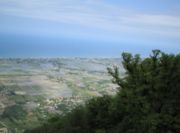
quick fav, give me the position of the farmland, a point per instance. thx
(32, 90)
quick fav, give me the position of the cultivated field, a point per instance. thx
(32, 90)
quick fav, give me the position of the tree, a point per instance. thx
(149, 97)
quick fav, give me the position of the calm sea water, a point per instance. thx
(35, 46)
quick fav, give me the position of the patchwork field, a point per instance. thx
(32, 90)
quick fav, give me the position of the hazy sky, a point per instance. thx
(88, 28)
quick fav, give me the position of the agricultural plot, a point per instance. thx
(32, 90)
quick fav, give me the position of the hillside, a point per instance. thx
(147, 101)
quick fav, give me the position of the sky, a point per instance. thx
(88, 28)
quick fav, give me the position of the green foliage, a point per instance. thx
(148, 100)
(15, 111)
